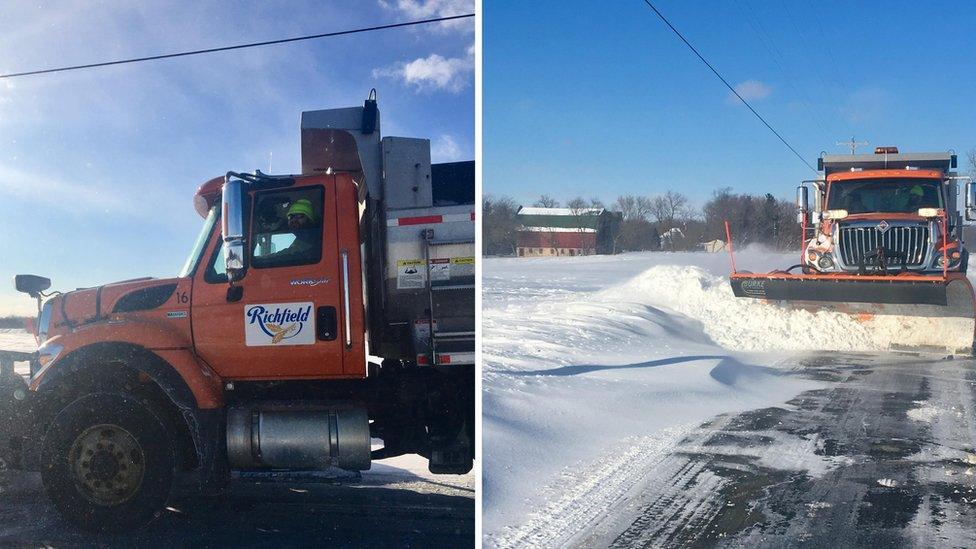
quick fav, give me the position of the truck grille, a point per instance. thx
(912, 241)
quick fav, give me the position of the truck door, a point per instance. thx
(286, 322)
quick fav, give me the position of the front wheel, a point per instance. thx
(108, 463)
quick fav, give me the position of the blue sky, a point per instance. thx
(601, 99)
(98, 167)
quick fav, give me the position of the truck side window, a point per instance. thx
(216, 272)
(287, 228)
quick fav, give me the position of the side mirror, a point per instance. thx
(970, 201)
(802, 203)
(232, 227)
(31, 285)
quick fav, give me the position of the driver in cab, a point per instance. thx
(305, 225)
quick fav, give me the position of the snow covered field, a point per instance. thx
(596, 367)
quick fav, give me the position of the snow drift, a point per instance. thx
(589, 362)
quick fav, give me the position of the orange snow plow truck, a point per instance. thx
(884, 243)
(322, 320)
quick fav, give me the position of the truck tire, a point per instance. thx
(107, 463)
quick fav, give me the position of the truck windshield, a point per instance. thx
(888, 195)
(201, 243)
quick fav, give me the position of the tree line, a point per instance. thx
(664, 222)
(13, 322)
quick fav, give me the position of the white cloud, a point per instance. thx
(750, 90)
(432, 72)
(445, 149)
(415, 9)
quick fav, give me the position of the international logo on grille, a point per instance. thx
(883, 226)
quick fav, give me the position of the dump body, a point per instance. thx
(418, 231)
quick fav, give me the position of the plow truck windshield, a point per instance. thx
(200, 244)
(902, 195)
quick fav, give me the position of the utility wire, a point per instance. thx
(236, 47)
(766, 39)
(727, 85)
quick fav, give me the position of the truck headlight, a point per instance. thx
(940, 260)
(825, 262)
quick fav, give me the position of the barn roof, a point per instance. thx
(560, 218)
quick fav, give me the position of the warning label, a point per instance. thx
(462, 267)
(411, 274)
(440, 270)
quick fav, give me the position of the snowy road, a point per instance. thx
(881, 456)
(394, 510)
(633, 401)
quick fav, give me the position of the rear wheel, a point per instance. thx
(108, 463)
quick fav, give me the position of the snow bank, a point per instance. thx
(741, 324)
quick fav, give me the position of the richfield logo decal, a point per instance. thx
(279, 324)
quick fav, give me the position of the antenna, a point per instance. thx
(270, 157)
(852, 144)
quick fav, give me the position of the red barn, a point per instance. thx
(565, 231)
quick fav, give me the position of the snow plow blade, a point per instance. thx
(921, 313)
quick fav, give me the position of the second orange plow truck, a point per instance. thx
(883, 241)
(323, 319)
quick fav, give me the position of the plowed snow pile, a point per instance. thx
(594, 367)
(741, 324)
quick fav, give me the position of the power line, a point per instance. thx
(237, 47)
(727, 85)
(776, 55)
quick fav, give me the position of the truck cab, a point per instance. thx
(883, 213)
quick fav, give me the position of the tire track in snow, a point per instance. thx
(586, 492)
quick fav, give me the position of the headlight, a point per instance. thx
(825, 262)
(940, 260)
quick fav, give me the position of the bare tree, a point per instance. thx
(582, 212)
(761, 219)
(636, 230)
(633, 207)
(499, 225)
(668, 208)
(546, 201)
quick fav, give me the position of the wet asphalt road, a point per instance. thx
(299, 511)
(881, 456)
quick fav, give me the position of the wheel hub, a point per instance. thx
(108, 464)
